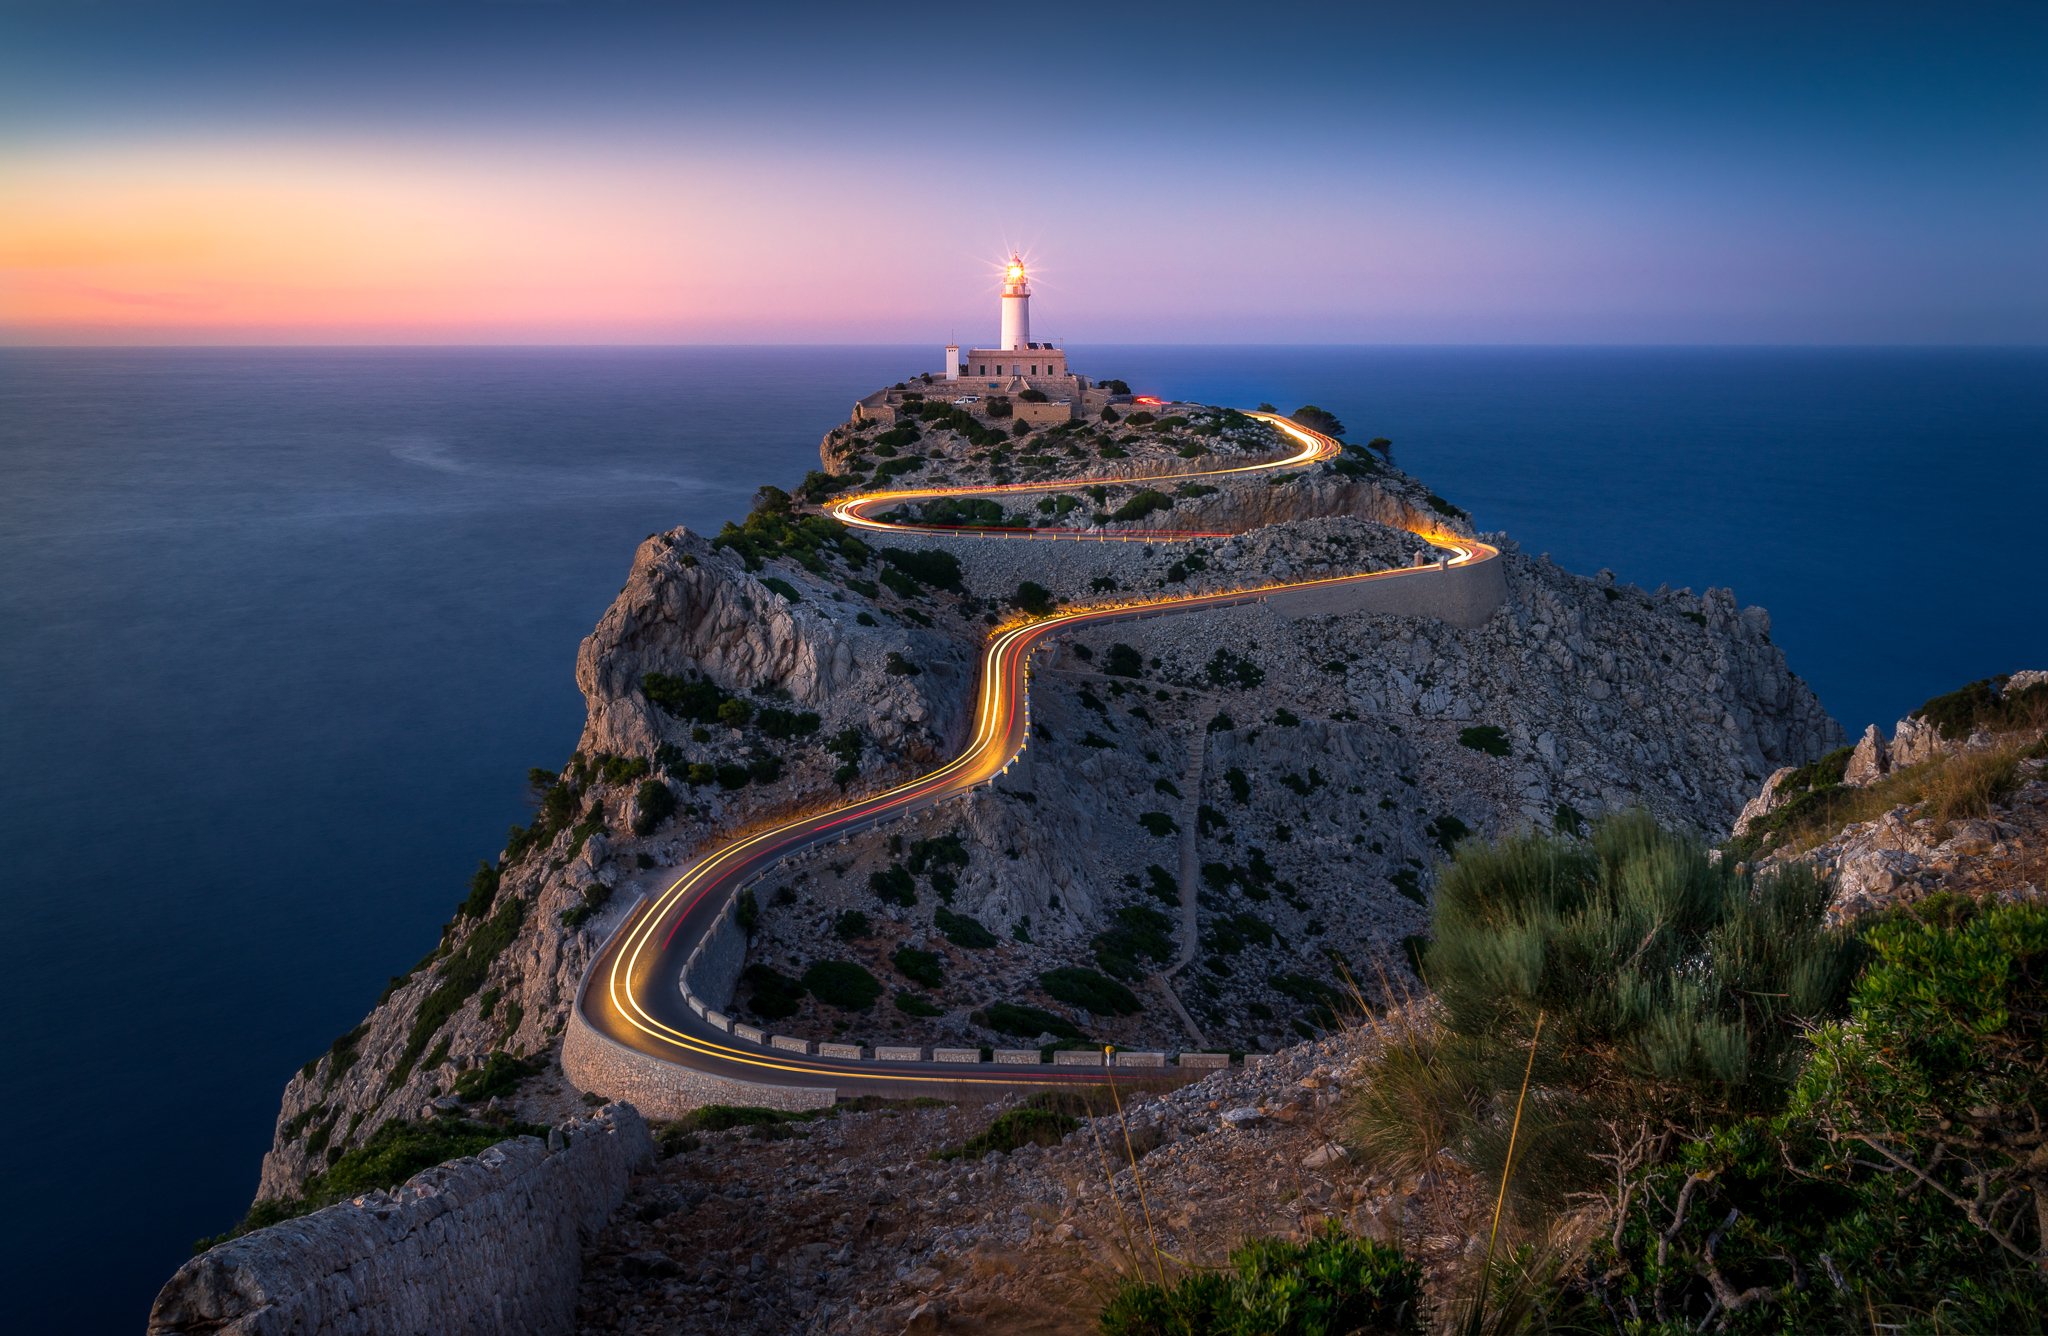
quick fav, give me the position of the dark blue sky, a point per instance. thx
(1461, 173)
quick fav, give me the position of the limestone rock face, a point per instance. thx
(487, 1243)
(689, 608)
(1914, 742)
(1870, 762)
(1768, 800)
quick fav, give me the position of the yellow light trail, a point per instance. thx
(1002, 712)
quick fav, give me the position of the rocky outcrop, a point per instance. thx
(688, 607)
(1981, 834)
(1870, 762)
(485, 1244)
(1575, 697)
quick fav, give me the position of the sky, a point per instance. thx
(538, 172)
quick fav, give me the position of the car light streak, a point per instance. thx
(640, 962)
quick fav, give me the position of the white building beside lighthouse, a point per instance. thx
(1031, 377)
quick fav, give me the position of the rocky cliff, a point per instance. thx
(1954, 801)
(487, 1243)
(1228, 818)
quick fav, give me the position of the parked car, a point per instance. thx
(968, 399)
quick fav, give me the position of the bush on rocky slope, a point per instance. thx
(1900, 1187)
(1669, 988)
(1328, 1283)
(1768, 1142)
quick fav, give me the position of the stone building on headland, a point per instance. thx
(1031, 377)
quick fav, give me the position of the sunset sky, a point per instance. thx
(594, 173)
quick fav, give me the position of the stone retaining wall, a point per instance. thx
(595, 1062)
(488, 1243)
(1461, 595)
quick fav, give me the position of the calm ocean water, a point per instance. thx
(281, 632)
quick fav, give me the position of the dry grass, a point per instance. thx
(1418, 1102)
(1946, 789)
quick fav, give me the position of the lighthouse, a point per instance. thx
(1016, 306)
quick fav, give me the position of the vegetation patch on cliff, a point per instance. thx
(395, 1152)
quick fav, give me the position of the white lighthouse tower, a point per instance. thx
(1016, 306)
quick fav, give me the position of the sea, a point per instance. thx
(282, 631)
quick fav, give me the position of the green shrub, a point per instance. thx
(1039, 1121)
(653, 803)
(842, 984)
(1227, 668)
(1035, 598)
(461, 975)
(773, 995)
(1330, 1284)
(961, 930)
(782, 725)
(726, 1117)
(925, 967)
(1445, 508)
(1903, 1169)
(595, 897)
(1447, 830)
(1162, 885)
(1487, 738)
(500, 1074)
(893, 885)
(394, 1152)
(693, 698)
(933, 569)
(1078, 986)
(483, 888)
(1142, 503)
(1672, 988)
(782, 587)
(898, 666)
(1024, 1022)
(817, 486)
(937, 852)
(773, 529)
(896, 468)
(917, 1004)
(1123, 661)
(1318, 419)
(1985, 704)
(851, 925)
(1138, 930)
(1158, 824)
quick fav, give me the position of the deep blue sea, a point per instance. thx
(282, 631)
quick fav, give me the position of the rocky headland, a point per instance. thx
(1229, 822)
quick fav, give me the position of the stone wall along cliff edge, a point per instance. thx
(488, 1243)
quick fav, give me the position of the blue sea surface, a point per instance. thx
(281, 632)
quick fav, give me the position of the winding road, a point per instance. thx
(632, 996)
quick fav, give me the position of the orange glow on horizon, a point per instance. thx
(284, 243)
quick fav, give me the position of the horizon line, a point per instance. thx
(1759, 345)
